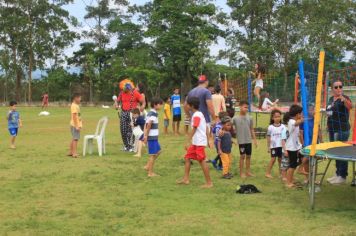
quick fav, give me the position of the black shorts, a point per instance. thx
(295, 159)
(245, 149)
(177, 117)
(277, 152)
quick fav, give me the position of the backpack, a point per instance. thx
(247, 189)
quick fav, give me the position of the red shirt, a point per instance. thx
(45, 98)
(129, 100)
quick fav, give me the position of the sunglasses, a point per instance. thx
(338, 87)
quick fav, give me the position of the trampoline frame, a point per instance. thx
(313, 168)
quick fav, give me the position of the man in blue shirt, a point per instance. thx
(177, 113)
(13, 122)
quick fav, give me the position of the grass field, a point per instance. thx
(43, 192)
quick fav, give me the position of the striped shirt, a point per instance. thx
(152, 117)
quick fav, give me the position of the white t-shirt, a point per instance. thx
(266, 103)
(277, 134)
(152, 117)
(293, 143)
(198, 121)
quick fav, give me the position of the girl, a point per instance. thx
(293, 118)
(276, 140)
(259, 75)
(266, 104)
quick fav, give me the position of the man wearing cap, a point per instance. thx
(205, 98)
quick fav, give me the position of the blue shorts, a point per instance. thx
(13, 131)
(153, 147)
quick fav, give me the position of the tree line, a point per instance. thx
(163, 43)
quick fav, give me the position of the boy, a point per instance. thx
(177, 113)
(243, 125)
(151, 135)
(138, 128)
(197, 141)
(75, 124)
(224, 147)
(216, 132)
(14, 122)
(167, 113)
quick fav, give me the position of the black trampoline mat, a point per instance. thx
(348, 152)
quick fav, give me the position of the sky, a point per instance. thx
(77, 9)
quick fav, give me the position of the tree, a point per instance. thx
(178, 29)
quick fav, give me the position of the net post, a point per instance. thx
(296, 89)
(249, 93)
(318, 102)
(326, 89)
(304, 101)
(354, 131)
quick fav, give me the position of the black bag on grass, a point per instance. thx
(247, 189)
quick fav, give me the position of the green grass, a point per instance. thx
(43, 192)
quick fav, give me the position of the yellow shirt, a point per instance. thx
(75, 109)
(167, 110)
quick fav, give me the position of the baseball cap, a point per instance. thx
(202, 79)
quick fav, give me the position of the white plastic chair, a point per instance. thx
(99, 136)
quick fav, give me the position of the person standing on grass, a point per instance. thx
(338, 123)
(197, 141)
(245, 134)
(177, 112)
(138, 128)
(275, 141)
(225, 146)
(293, 118)
(75, 124)
(13, 122)
(45, 100)
(167, 113)
(151, 135)
(217, 128)
(218, 101)
(129, 99)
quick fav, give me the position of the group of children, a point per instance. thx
(284, 139)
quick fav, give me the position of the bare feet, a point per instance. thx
(183, 182)
(269, 176)
(13, 147)
(284, 179)
(249, 174)
(207, 185)
(243, 176)
(152, 175)
(290, 186)
(145, 167)
(137, 155)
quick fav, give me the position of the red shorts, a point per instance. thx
(196, 153)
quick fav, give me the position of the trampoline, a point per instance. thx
(328, 151)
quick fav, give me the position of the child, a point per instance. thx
(14, 122)
(199, 140)
(245, 133)
(216, 132)
(186, 120)
(266, 104)
(294, 119)
(75, 124)
(167, 114)
(275, 140)
(224, 147)
(177, 113)
(45, 100)
(304, 168)
(151, 135)
(138, 128)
